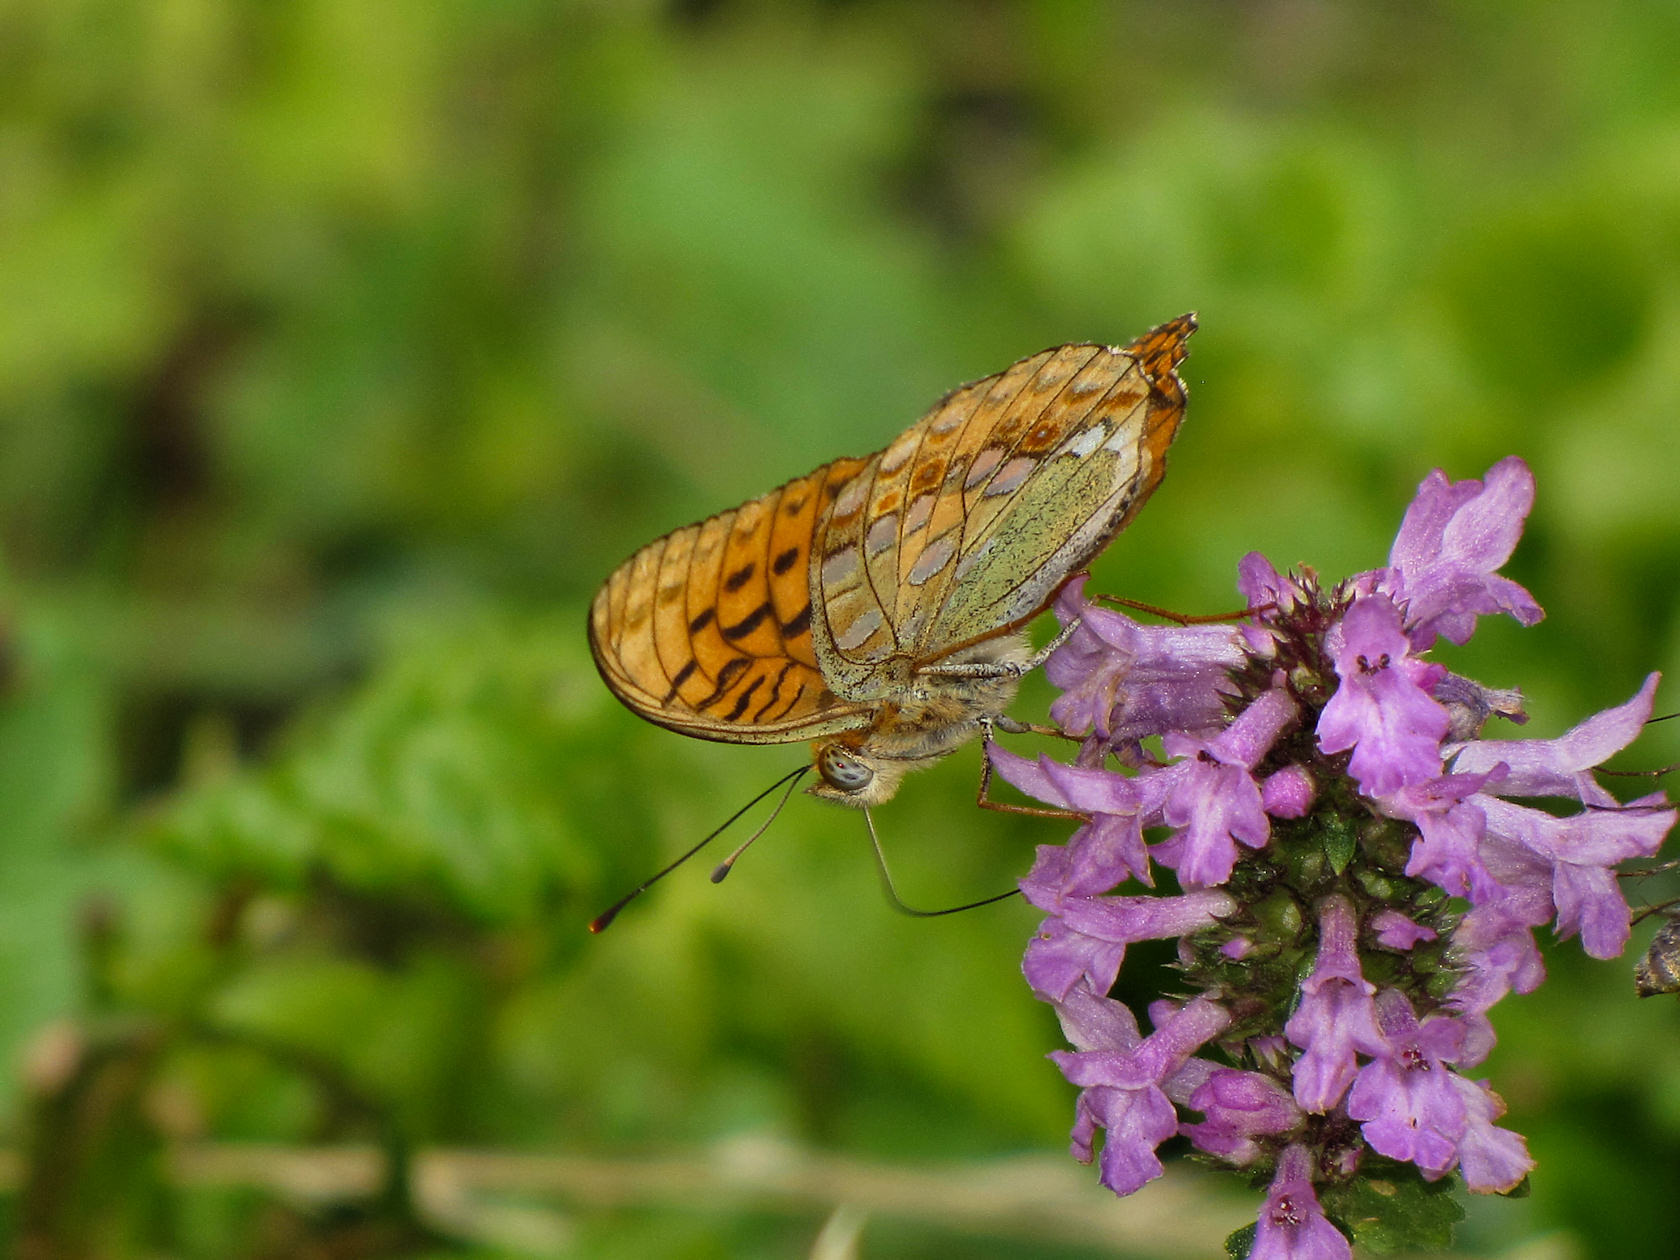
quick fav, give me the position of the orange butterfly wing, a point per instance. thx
(708, 629)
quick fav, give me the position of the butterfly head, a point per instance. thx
(848, 775)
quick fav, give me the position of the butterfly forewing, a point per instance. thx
(708, 630)
(1044, 443)
(961, 442)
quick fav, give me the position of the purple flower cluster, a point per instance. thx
(1321, 793)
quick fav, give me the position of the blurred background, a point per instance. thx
(345, 347)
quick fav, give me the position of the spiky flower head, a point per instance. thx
(1355, 873)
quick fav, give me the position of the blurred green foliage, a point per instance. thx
(345, 347)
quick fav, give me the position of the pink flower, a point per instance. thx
(1336, 1017)
(1443, 567)
(1121, 1092)
(1383, 709)
(1292, 1225)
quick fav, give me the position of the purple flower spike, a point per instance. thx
(1124, 681)
(1292, 1225)
(1121, 1093)
(1239, 1106)
(1308, 757)
(1383, 709)
(1443, 567)
(1336, 1017)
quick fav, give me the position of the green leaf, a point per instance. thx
(1340, 841)
(462, 778)
(1392, 1208)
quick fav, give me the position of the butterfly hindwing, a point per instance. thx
(1066, 488)
(1024, 410)
(965, 526)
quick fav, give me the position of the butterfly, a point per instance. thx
(877, 605)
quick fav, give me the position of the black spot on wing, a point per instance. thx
(742, 628)
(725, 679)
(798, 624)
(743, 700)
(788, 707)
(683, 675)
(775, 693)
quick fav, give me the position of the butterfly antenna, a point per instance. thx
(897, 902)
(728, 864)
(602, 921)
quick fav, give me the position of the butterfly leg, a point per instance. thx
(1000, 669)
(983, 798)
(1013, 726)
(1645, 912)
(1184, 619)
(1044, 653)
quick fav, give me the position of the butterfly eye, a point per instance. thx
(842, 771)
